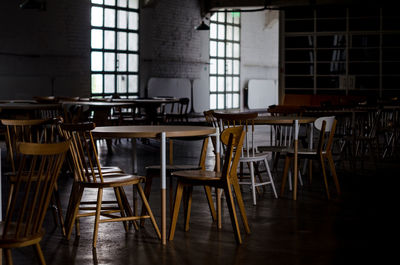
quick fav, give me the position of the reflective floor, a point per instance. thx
(311, 230)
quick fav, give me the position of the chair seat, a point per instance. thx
(255, 158)
(198, 175)
(304, 151)
(171, 168)
(275, 149)
(10, 240)
(114, 180)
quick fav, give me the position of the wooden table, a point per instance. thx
(26, 109)
(161, 132)
(282, 120)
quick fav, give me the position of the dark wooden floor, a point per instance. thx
(311, 230)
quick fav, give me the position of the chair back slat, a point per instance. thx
(325, 126)
(84, 155)
(233, 139)
(38, 170)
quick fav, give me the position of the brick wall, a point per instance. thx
(44, 52)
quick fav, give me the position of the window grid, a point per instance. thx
(224, 60)
(115, 48)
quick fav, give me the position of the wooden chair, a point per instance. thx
(31, 196)
(233, 139)
(323, 151)
(35, 131)
(180, 114)
(249, 156)
(154, 171)
(89, 175)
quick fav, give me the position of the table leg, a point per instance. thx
(163, 189)
(295, 167)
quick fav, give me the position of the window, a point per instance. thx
(224, 60)
(115, 48)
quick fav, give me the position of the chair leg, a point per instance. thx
(39, 254)
(333, 171)
(121, 208)
(74, 211)
(177, 204)
(59, 209)
(8, 256)
(127, 207)
(219, 207)
(148, 209)
(285, 174)
(97, 216)
(188, 207)
(239, 199)
(207, 190)
(147, 190)
(322, 161)
(270, 178)
(232, 212)
(253, 187)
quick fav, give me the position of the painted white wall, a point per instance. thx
(259, 48)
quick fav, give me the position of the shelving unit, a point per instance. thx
(349, 49)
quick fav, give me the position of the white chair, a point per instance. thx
(249, 155)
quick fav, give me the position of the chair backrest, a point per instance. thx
(245, 119)
(326, 125)
(233, 139)
(35, 131)
(83, 151)
(37, 174)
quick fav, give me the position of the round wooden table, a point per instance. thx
(162, 132)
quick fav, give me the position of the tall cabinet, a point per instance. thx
(341, 50)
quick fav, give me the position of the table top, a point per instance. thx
(98, 103)
(27, 106)
(283, 119)
(151, 131)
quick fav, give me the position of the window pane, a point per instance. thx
(236, 33)
(109, 39)
(229, 18)
(236, 18)
(213, 48)
(121, 62)
(221, 101)
(221, 84)
(133, 42)
(229, 33)
(97, 2)
(221, 49)
(97, 83)
(109, 83)
(122, 19)
(213, 84)
(221, 32)
(132, 63)
(229, 67)
(213, 66)
(97, 61)
(214, 17)
(236, 84)
(213, 101)
(236, 50)
(109, 15)
(109, 61)
(121, 83)
(229, 50)
(235, 101)
(229, 101)
(134, 4)
(133, 19)
(122, 3)
(109, 2)
(97, 16)
(236, 67)
(97, 39)
(228, 81)
(221, 17)
(221, 67)
(133, 84)
(213, 31)
(121, 40)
